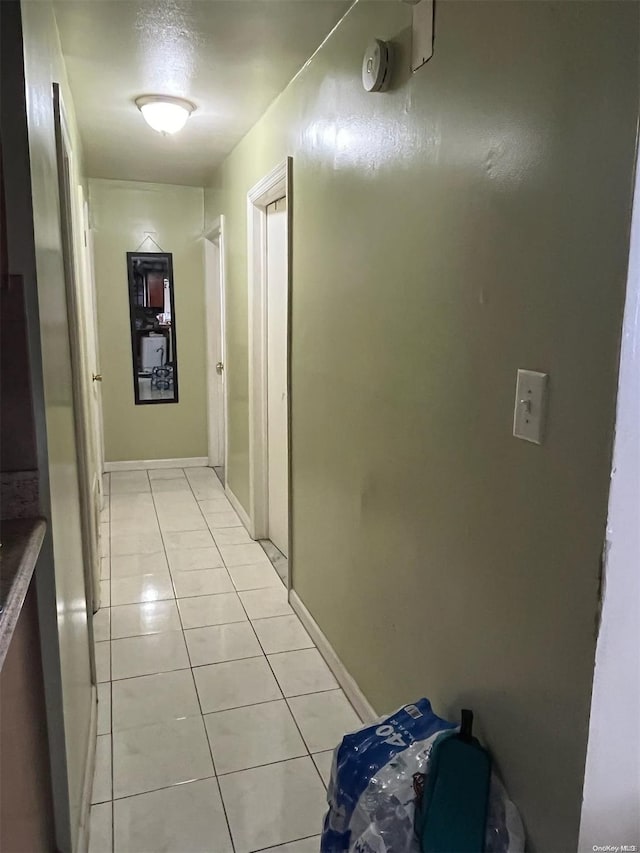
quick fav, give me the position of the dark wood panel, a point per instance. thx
(26, 813)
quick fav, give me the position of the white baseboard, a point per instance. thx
(242, 513)
(148, 464)
(353, 693)
(82, 839)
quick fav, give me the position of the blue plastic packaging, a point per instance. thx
(376, 775)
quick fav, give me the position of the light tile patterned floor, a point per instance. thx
(216, 714)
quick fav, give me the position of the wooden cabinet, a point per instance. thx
(26, 812)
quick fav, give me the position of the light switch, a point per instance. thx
(530, 406)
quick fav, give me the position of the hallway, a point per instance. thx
(374, 262)
(217, 716)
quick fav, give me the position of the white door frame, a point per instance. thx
(275, 185)
(215, 290)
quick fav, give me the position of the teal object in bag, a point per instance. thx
(453, 814)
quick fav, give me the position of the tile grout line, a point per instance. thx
(266, 658)
(190, 489)
(162, 788)
(204, 725)
(235, 707)
(220, 663)
(284, 843)
(182, 669)
(113, 828)
(174, 597)
(113, 821)
(291, 714)
(266, 764)
(280, 688)
(188, 572)
(254, 619)
(286, 699)
(215, 776)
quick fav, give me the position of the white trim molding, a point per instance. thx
(148, 464)
(82, 841)
(240, 510)
(348, 683)
(274, 186)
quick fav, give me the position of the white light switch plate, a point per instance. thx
(530, 405)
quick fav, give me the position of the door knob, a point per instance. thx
(220, 367)
(97, 377)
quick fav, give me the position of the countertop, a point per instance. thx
(21, 543)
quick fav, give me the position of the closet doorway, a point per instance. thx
(269, 260)
(277, 426)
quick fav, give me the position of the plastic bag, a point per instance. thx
(376, 775)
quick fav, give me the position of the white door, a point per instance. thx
(79, 332)
(216, 397)
(277, 425)
(220, 353)
(92, 339)
(92, 377)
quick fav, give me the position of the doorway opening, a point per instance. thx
(217, 432)
(269, 266)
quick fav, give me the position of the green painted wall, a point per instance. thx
(470, 221)
(121, 213)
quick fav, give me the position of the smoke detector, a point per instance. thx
(376, 66)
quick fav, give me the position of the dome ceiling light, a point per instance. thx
(165, 114)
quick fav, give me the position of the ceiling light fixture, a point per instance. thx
(165, 114)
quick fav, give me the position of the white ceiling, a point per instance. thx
(230, 57)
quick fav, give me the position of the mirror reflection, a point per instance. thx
(153, 337)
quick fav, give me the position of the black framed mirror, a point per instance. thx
(153, 327)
